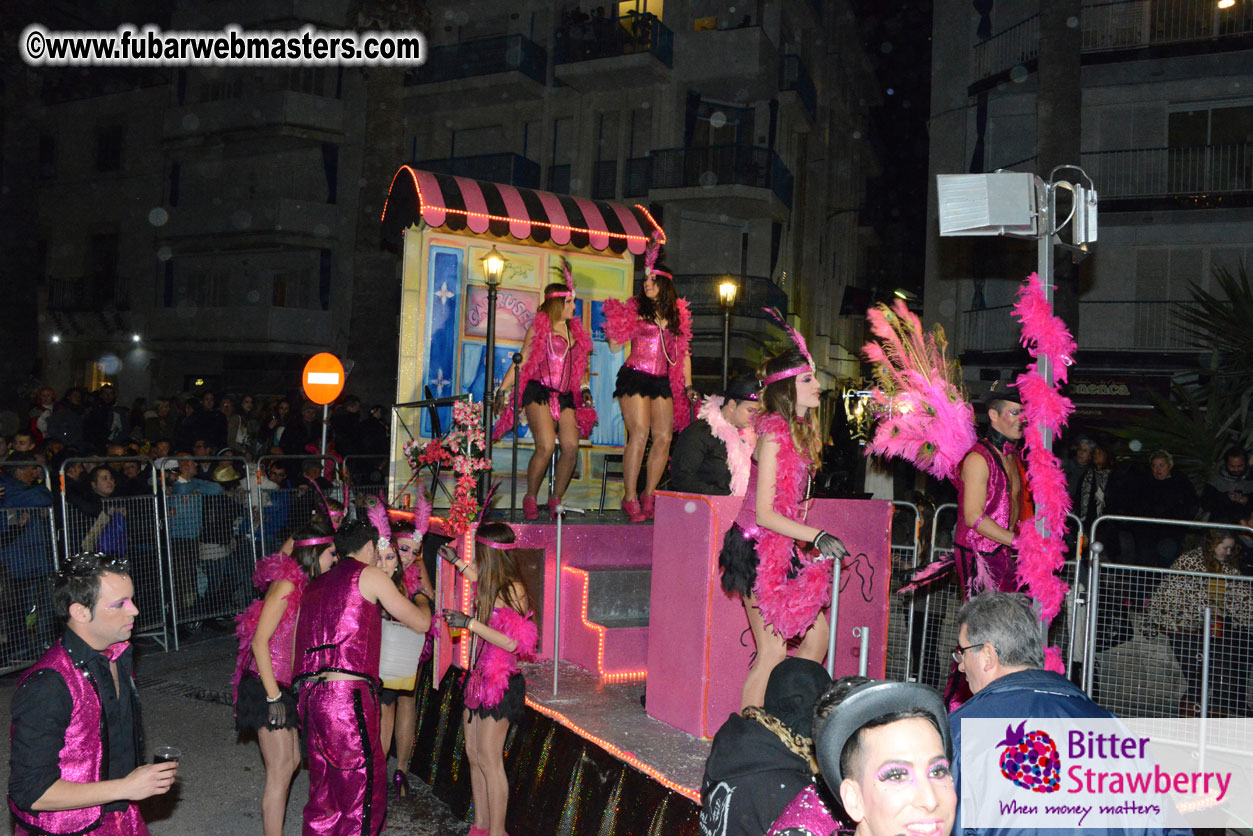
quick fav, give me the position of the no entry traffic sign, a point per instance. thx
(323, 378)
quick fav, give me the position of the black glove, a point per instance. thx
(278, 714)
(457, 620)
(448, 553)
(830, 546)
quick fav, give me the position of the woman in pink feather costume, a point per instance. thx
(502, 631)
(783, 589)
(264, 700)
(554, 391)
(399, 716)
(654, 386)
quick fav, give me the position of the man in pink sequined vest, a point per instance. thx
(76, 743)
(337, 667)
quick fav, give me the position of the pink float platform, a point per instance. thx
(697, 659)
(693, 650)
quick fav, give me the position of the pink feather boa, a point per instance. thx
(541, 328)
(790, 605)
(276, 567)
(740, 443)
(1040, 556)
(622, 320)
(487, 683)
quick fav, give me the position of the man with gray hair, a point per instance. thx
(1000, 648)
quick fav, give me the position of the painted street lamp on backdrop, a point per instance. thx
(727, 291)
(493, 265)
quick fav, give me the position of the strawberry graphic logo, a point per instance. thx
(1030, 759)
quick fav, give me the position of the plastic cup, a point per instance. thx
(166, 754)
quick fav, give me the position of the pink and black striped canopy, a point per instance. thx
(456, 203)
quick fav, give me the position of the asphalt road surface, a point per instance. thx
(185, 697)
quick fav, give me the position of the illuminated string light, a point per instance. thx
(423, 206)
(600, 630)
(620, 754)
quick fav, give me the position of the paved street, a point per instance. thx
(186, 703)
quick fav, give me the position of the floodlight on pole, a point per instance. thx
(1020, 205)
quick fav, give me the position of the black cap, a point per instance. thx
(794, 686)
(745, 387)
(1002, 391)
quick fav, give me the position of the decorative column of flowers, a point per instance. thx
(464, 449)
(1045, 408)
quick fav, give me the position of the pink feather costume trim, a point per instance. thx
(925, 417)
(276, 567)
(487, 683)
(739, 443)
(1040, 556)
(790, 605)
(580, 352)
(622, 319)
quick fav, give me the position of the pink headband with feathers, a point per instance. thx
(800, 345)
(566, 274)
(650, 257)
(419, 517)
(376, 513)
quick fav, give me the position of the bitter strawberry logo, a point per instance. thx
(1030, 759)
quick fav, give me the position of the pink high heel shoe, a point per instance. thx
(478, 831)
(530, 511)
(648, 504)
(631, 507)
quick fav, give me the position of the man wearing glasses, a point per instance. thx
(75, 741)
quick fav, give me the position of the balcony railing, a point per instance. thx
(794, 77)
(85, 294)
(1166, 172)
(638, 173)
(1119, 25)
(508, 168)
(756, 292)
(1103, 326)
(610, 37)
(502, 54)
(722, 165)
(604, 179)
(1199, 171)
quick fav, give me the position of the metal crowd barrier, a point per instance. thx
(28, 553)
(125, 526)
(906, 527)
(210, 537)
(367, 475)
(937, 631)
(1167, 643)
(283, 510)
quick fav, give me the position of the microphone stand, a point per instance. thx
(513, 482)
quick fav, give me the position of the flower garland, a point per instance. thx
(1040, 555)
(464, 448)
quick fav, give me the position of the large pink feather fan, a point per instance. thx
(925, 417)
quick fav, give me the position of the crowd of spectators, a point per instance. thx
(106, 465)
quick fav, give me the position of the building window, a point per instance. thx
(720, 124)
(102, 273)
(109, 147)
(1211, 149)
(294, 289)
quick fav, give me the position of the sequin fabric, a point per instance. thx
(347, 778)
(805, 815)
(338, 629)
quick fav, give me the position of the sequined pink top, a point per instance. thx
(554, 365)
(805, 814)
(996, 507)
(338, 630)
(82, 754)
(649, 347)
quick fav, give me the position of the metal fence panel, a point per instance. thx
(210, 536)
(905, 528)
(120, 525)
(1149, 651)
(367, 475)
(28, 555)
(282, 507)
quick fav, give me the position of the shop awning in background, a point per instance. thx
(456, 203)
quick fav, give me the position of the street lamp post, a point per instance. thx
(727, 291)
(493, 267)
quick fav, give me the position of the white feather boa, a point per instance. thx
(739, 443)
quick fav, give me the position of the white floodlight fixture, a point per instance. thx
(1001, 203)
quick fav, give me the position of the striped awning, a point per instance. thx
(456, 203)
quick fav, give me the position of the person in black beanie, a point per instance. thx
(763, 757)
(713, 455)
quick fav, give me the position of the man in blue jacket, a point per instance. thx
(1000, 649)
(26, 555)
